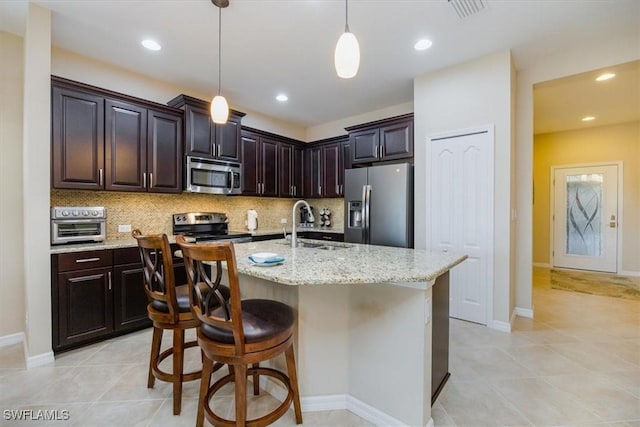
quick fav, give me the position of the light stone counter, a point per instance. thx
(347, 263)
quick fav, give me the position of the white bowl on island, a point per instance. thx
(262, 257)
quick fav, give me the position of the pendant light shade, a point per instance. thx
(219, 105)
(219, 109)
(347, 55)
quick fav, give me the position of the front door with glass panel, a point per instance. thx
(585, 218)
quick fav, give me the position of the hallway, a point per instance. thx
(577, 362)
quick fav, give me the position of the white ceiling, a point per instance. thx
(272, 46)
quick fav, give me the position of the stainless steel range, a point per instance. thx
(206, 227)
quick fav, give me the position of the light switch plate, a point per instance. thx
(283, 220)
(124, 228)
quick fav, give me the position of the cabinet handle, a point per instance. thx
(150, 180)
(80, 261)
(295, 190)
(219, 150)
(100, 176)
(109, 278)
(337, 189)
(144, 180)
(381, 151)
(341, 189)
(319, 189)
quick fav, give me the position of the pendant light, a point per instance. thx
(347, 54)
(219, 105)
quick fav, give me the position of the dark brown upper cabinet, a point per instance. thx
(203, 138)
(382, 140)
(324, 168)
(290, 176)
(102, 140)
(77, 152)
(260, 164)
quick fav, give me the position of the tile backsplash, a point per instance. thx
(151, 212)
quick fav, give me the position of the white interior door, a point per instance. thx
(461, 220)
(585, 217)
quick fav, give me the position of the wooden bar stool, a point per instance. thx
(237, 333)
(168, 308)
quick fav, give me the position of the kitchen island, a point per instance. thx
(364, 323)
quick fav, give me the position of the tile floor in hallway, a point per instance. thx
(577, 363)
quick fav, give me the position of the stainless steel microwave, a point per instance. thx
(212, 176)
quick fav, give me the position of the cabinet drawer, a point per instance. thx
(126, 256)
(83, 260)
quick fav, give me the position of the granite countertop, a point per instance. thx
(130, 242)
(347, 263)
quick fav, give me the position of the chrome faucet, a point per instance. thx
(294, 238)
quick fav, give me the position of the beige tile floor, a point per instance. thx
(577, 363)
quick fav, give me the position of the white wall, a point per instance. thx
(11, 222)
(463, 96)
(36, 184)
(87, 70)
(336, 128)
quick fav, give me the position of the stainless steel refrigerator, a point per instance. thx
(379, 205)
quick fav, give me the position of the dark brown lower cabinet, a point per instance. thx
(99, 294)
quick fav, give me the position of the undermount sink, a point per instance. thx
(323, 246)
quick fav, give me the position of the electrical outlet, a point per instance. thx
(283, 220)
(124, 228)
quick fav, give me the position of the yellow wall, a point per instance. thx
(593, 145)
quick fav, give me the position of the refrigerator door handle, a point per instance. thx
(366, 203)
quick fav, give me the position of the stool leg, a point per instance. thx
(207, 368)
(178, 360)
(293, 379)
(241, 394)
(256, 380)
(156, 343)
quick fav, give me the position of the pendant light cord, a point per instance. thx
(219, 49)
(346, 14)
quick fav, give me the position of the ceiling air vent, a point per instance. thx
(466, 8)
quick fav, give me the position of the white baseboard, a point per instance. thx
(334, 402)
(40, 359)
(11, 339)
(499, 325)
(541, 264)
(524, 312)
(630, 273)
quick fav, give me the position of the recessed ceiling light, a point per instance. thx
(588, 118)
(422, 44)
(282, 97)
(605, 76)
(151, 44)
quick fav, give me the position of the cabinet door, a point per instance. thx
(228, 140)
(397, 140)
(77, 155)
(85, 309)
(199, 132)
(313, 172)
(129, 297)
(364, 145)
(125, 146)
(269, 167)
(250, 164)
(164, 158)
(331, 167)
(285, 175)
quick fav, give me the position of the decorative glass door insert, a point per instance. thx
(584, 212)
(584, 221)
